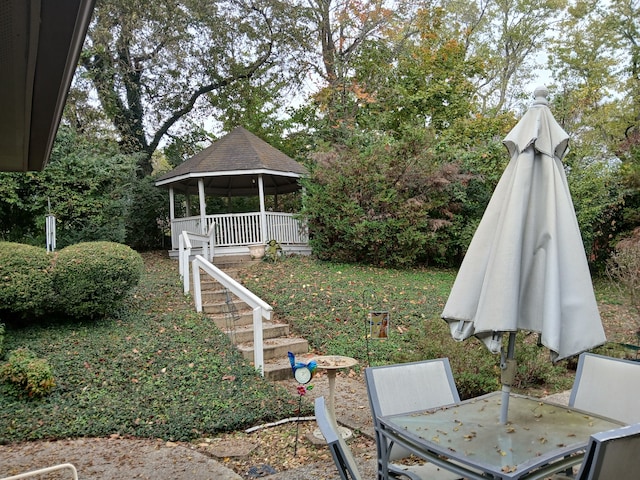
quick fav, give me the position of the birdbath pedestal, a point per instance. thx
(333, 363)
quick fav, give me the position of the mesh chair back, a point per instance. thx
(408, 387)
(612, 455)
(606, 386)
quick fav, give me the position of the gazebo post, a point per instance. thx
(203, 206)
(263, 214)
(172, 205)
(172, 214)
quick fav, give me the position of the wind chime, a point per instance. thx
(50, 229)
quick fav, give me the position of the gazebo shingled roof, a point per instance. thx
(231, 165)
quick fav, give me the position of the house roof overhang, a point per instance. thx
(40, 43)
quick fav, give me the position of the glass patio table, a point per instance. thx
(539, 438)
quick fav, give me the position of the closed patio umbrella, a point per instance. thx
(526, 268)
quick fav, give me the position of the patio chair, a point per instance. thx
(611, 455)
(42, 471)
(339, 450)
(607, 386)
(342, 456)
(408, 387)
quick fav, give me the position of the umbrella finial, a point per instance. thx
(541, 93)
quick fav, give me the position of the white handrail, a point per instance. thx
(185, 239)
(261, 309)
(42, 471)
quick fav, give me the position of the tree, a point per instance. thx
(505, 37)
(341, 27)
(393, 188)
(18, 211)
(345, 31)
(428, 81)
(88, 186)
(595, 102)
(388, 204)
(625, 20)
(155, 65)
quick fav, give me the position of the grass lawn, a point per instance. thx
(157, 369)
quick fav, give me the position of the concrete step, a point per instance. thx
(276, 347)
(208, 284)
(277, 369)
(222, 308)
(244, 333)
(217, 296)
(241, 317)
(234, 261)
(213, 287)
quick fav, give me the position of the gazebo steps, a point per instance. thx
(225, 262)
(277, 369)
(217, 296)
(232, 316)
(280, 369)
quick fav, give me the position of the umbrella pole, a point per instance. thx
(508, 376)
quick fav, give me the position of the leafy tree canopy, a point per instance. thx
(154, 65)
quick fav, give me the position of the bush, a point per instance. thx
(25, 281)
(91, 279)
(147, 223)
(28, 373)
(535, 368)
(389, 204)
(624, 267)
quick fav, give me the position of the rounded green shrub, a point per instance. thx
(25, 280)
(91, 279)
(27, 373)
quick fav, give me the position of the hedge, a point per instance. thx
(25, 279)
(90, 279)
(84, 280)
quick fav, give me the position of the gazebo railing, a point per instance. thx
(236, 229)
(239, 229)
(286, 229)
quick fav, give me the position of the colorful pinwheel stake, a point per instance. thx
(303, 373)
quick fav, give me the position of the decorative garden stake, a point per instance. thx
(377, 325)
(302, 391)
(303, 373)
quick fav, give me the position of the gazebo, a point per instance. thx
(238, 165)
